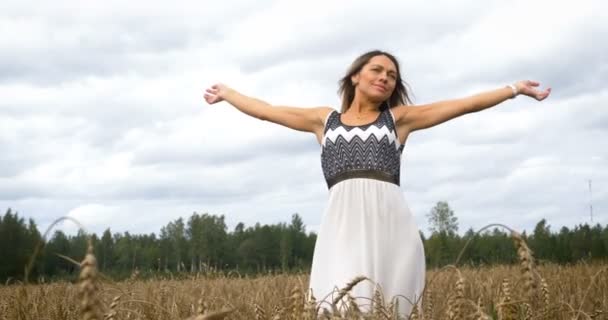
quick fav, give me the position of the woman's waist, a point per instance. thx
(373, 174)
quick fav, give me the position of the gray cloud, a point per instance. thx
(101, 113)
(56, 46)
(351, 30)
(102, 50)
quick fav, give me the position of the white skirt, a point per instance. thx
(368, 230)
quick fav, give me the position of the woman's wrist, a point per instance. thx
(229, 94)
(514, 89)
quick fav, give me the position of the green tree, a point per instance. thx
(207, 236)
(297, 230)
(286, 247)
(542, 241)
(106, 250)
(165, 249)
(442, 219)
(17, 242)
(125, 251)
(55, 265)
(176, 232)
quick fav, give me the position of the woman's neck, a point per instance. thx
(359, 106)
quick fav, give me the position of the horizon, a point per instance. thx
(461, 232)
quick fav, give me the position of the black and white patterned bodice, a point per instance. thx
(365, 151)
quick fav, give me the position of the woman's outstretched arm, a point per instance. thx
(428, 115)
(301, 119)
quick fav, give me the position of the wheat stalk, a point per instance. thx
(526, 261)
(349, 286)
(479, 314)
(42, 241)
(414, 314)
(260, 313)
(90, 305)
(545, 292)
(428, 303)
(111, 315)
(506, 310)
(277, 312)
(311, 305)
(393, 308)
(455, 301)
(200, 309)
(297, 302)
(527, 310)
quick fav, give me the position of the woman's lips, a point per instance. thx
(380, 87)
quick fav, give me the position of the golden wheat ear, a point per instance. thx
(545, 298)
(297, 302)
(90, 306)
(311, 307)
(479, 313)
(427, 302)
(349, 286)
(414, 315)
(505, 309)
(526, 262)
(260, 313)
(456, 299)
(111, 314)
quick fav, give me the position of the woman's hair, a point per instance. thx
(400, 95)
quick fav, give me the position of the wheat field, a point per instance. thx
(524, 291)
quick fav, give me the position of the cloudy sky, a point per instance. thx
(102, 116)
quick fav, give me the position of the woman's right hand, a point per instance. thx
(528, 88)
(215, 93)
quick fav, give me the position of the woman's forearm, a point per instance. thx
(248, 105)
(487, 99)
(432, 114)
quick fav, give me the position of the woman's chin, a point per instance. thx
(379, 99)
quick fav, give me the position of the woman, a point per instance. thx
(367, 228)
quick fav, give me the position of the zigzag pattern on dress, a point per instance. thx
(384, 131)
(371, 147)
(360, 154)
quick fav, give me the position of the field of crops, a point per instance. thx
(527, 290)
(501, 292)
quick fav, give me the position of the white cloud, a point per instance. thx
(102, 117)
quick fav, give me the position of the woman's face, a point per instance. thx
(377, 79)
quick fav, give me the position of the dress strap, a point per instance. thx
(329, 119)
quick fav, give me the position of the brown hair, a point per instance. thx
(400, 95)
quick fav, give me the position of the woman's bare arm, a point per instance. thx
(301, 119)
(429, 115)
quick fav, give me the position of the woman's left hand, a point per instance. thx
(528, 88)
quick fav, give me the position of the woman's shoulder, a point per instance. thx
(325, 112)
(400, 112)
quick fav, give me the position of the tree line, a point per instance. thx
(203, 243)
